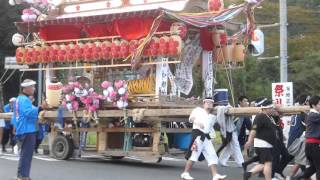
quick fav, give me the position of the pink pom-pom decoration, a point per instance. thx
(75, 105)
(70, 97)
(105, 84)
(92, 108)
(105, 93)
(113, 95)
(121, 91)
(125, 97)
(110, 89)
(83, 99)
(88, 100)
(27, 11)
(119, 84)
(101, 97)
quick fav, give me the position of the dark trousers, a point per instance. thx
(7, 135)
(313, 156)
(225, 142)
(251, 160)
(27, 142)
(36, 147)
(281, 158)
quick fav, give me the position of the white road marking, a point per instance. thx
(133, 158)
(46, 158)
(172, 159)
(11, 158)
(14, 157)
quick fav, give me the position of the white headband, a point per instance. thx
(260, 102)
(28, 84)
(267, 107)
(12, 99)
(210, 100)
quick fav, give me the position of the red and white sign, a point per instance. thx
(282, 93)
(80, 8)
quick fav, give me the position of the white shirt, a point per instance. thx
(314, 111)
(2, 123)
(261, 143)
(201, 116)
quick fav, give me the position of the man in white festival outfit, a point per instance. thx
(201, 146)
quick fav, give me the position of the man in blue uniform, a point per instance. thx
(26, 127)
(8, 133)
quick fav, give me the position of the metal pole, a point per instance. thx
(1, 96)
(283, 42)
(39, 85)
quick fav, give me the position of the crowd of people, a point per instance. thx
(273, 151)
(271, 157)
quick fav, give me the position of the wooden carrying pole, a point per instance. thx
(171, 112)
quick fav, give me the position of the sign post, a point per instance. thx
(282, 93)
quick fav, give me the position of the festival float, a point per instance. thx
(120, 68)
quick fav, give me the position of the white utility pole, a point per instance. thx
(283, 41)
(40, 87)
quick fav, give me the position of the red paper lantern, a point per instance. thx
(179, 28)
(175, 45)
(147, 52)
(224, 39)
(115, 49)
(29, 56)
(20, 55)
(98, 51)
(79, 51)
(54, 53)
(215, 5)
(106, 50)
(154, 43)
(124, 49)
(45, 54)
(219, 37)
(95, 55)
(71, 53)
(154, 46)
(163, 45)
(36, 54)
(88, 52)
(62, 53)
(133, 45)
(50, 49)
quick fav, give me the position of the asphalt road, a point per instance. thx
(99, 168)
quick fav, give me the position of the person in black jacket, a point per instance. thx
(281, 156)
(263, 136)
(313, 139)
(295, 140)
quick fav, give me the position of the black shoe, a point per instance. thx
(244, 166)
(246, 175)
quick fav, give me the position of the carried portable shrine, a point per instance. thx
(123, 64)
